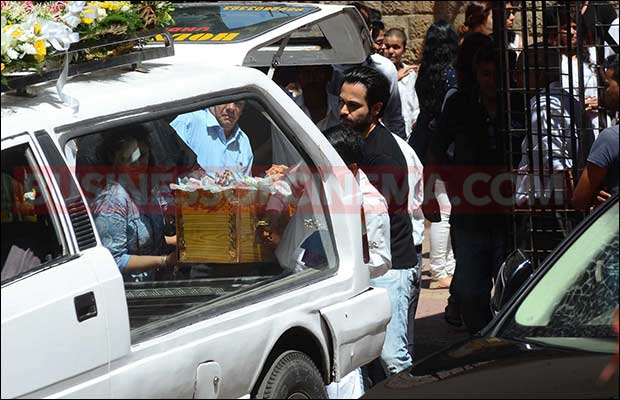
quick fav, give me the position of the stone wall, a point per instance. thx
(415, 17)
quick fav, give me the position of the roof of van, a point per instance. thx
(251, 35)
(114, 91)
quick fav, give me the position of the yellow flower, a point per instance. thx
(87, 21)
(17, 33)
(110, 5)
(41, 49)
(37, 29)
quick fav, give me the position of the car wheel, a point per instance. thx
(293, 375)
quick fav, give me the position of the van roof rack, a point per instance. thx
(149, 49)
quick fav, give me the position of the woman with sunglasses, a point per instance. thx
(515, 41)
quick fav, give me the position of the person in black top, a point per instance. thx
(363, 95)
(479, 185)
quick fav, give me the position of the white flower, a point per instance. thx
(28, 48)
(75, 7)
(102, 13)
(12, 54)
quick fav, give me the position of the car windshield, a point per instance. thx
(573, 304)
(226, 23)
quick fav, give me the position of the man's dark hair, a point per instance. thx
(398, 33)
(369, 14)
(346, 142)
(376, 27)
(377, 85)
(612, 62)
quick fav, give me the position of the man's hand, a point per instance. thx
(602, 197)
(277, 172)
(591, 104)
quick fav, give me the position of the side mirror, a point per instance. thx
(511, 276)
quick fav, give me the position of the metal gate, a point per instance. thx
(546, 87)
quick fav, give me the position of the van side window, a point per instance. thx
(201, 207)
(30, 236)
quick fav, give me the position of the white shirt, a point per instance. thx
(377, 227)
(590, 82)
(331, 119)
(516, 44)
(561, 146)
(416, 190)
(409, 100)
(614, 31)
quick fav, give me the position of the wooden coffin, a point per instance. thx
(221, 228)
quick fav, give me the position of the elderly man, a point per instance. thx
(214, 135)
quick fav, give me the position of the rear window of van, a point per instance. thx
(226, 23)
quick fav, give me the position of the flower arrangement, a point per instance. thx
(36, 33)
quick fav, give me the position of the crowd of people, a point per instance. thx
(450, 108)
(414, 136)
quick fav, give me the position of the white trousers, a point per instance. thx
(349, 387)
(442, 262)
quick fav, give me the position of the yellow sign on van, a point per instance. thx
(263, 8)
(201, 37)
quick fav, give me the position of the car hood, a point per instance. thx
(496, 368)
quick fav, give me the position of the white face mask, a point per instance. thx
(130, 154)
(135, 155)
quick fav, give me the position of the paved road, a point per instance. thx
(432, 332)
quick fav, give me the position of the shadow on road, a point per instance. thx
(433, 333)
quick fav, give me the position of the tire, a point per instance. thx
(292, 375)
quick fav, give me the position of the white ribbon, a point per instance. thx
(69, 101)
(61, 37)
(74, 11)
(58, 35)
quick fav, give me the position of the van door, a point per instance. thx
(54, 330)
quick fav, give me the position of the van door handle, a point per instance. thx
(85, 306)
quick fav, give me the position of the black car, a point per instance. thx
(551, 340)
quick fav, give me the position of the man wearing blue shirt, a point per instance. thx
(214, 135)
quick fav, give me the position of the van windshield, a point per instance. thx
(226, 23)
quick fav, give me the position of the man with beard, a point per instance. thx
(363, 96)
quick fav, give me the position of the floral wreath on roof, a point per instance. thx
(34, 34)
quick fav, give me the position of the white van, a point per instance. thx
(73, 325)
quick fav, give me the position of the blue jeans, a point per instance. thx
(413, 306)
(395, 355)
